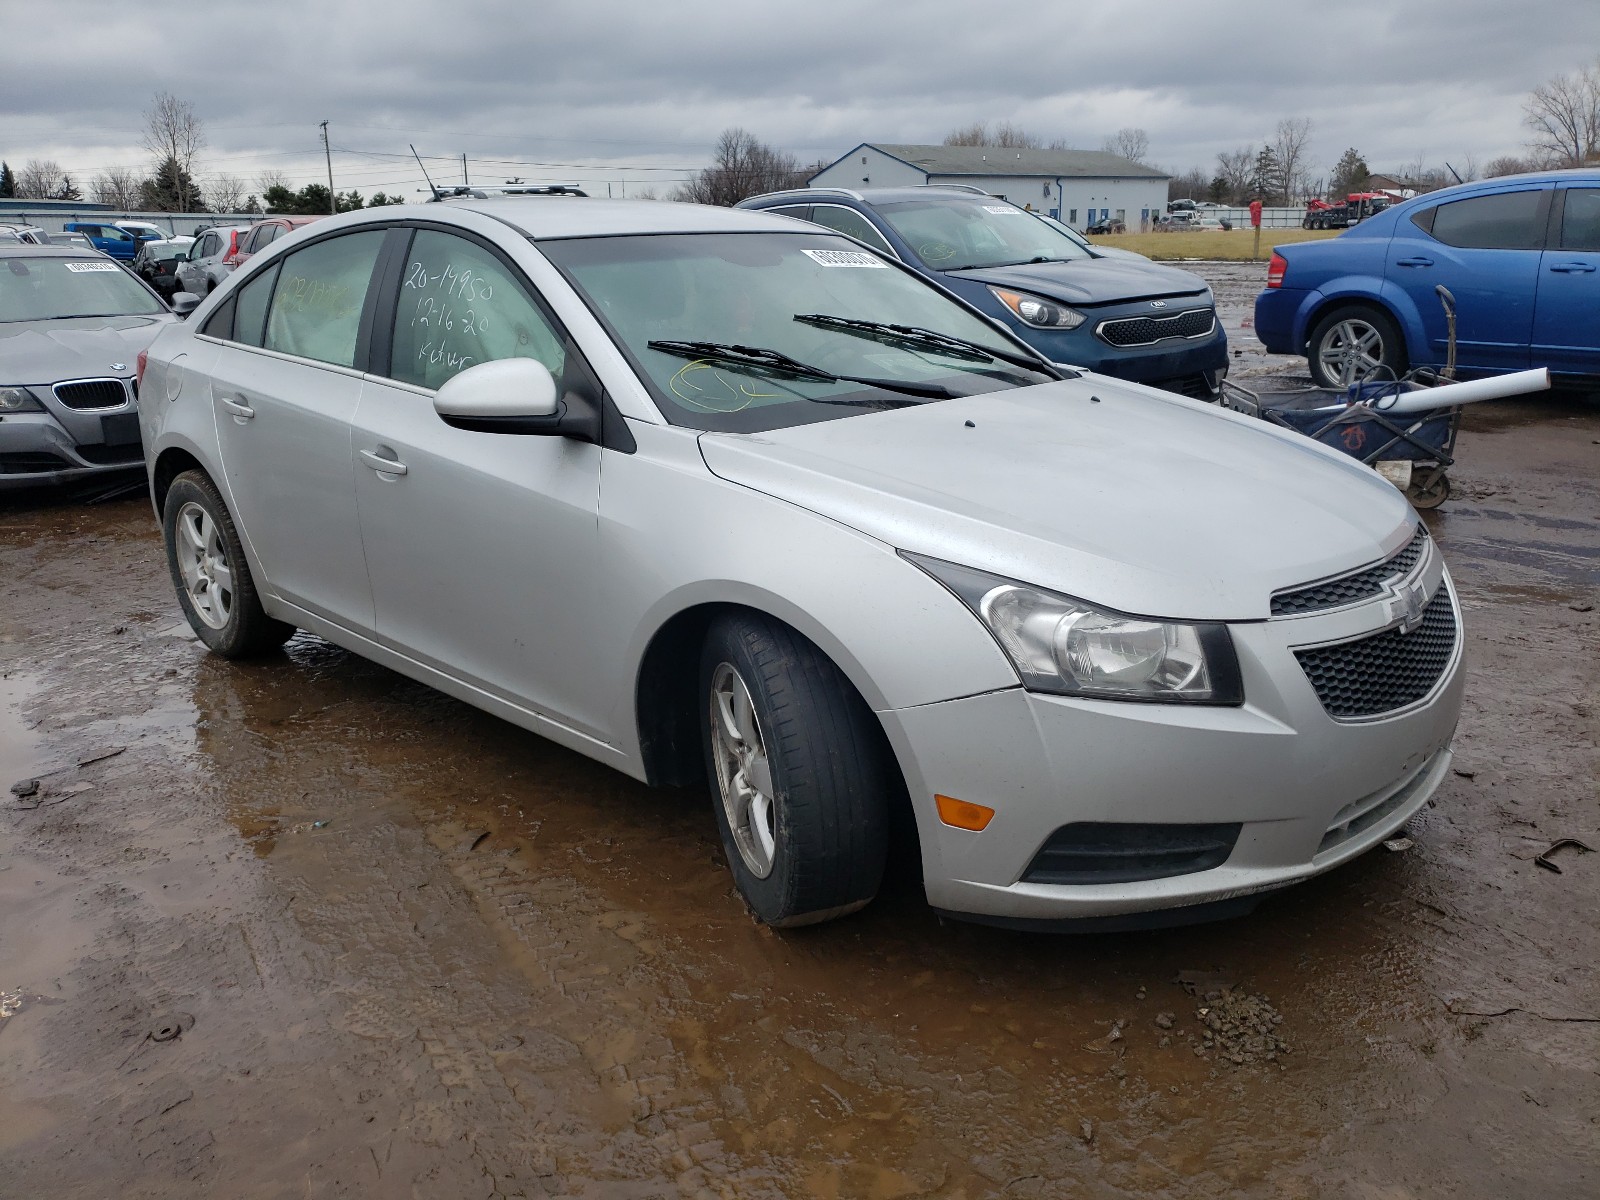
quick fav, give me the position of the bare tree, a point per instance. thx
(1129, 143)
(1289, 147)
(1507, 165)
(1235, 169)
(742, 167)
(1004, 134)
(40, 179)
(174, 134)
(118, 187)
(1564, 114)
(225, 193)
(267, 180)
(1191, 185)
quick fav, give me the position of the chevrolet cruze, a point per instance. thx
(730, 502)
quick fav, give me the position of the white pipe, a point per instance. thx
(1448, 395)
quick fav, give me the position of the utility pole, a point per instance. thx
(464, 178)
(333, 198)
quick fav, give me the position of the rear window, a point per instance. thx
(316, 307)
(1504, 221)
(43, 289)
(1580, 219)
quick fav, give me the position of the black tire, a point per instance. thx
(237, 626)
(830, 769)
(1385, 360)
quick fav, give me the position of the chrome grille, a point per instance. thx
(1147, 331)
(1351, 589)
(92, 393)
(1388, 671)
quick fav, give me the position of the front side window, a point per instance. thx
(847, 220)
(1580, 219)
(817, 298)
(460, 305)
(956, 235)
(1504, 221)
(316, 307)
(44, 289)
(206, 247)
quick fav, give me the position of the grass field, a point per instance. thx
(1232, 245)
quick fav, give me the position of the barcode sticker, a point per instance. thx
(846, 258)
(79, 267)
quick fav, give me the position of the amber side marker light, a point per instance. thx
(963, 815)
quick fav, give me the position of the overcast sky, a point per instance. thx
(638, 90)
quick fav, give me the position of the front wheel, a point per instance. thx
(1353, 344)
(209, 571)
(800, 772)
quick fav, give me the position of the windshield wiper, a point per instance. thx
(915, 335)
(759, 358)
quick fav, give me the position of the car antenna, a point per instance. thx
(1454, 172)
(418, 157)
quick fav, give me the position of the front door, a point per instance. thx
(1486, 251)
(481, 547)
(1566, 318)
(285, 389)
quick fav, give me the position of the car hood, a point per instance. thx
(1091, 280)
(1138, 500)
(43, 352)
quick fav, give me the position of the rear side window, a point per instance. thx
(460, 305)
(801, 212)
(1580, 219)
(250, 312)
(316, 308)
(1505, 221)
(847, 220)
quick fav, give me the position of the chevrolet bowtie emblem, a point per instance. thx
(1410, 602)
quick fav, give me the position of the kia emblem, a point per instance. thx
(1158, 304)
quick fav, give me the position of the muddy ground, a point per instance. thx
(303, 928)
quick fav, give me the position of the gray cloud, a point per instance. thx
(650, 84)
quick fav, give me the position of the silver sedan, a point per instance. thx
(728, 503)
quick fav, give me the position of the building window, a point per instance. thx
(1072, 216)
(863, 160)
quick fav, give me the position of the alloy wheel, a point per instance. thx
(203, 563)
(1351, 351)
(744, 775)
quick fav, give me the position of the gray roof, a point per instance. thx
(1006, 160)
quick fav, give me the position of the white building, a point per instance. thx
(1075, 186)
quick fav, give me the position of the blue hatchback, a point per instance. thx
(1120, 316)
(1521, 255)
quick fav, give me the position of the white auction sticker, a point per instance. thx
(846, 258)
(79, 268)
(1000, 208)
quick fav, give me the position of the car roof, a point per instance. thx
(575, 216)
(872, 196)
(22, 250)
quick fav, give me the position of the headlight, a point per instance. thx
(17, 399)
(1069, 648)
(1038, 312)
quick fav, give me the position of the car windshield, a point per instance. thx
(45, 289)
(824, 302)
(953, 235)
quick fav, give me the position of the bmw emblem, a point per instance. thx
(1158, 304)
(119, 366)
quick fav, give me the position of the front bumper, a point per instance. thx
(65, 445)
(1308, 792)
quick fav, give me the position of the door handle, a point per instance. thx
(1413, 262)
(240, 410)
(382, 465)
(1572, 268)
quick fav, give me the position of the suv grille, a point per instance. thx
(1387, 671)
(1147, 331)
(1351, 589)
(92, 393)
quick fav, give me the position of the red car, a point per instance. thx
(261, 235)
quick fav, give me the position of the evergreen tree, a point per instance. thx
(1350, 174)
(8, 182)
(1266, 179)
(69, 190)
(171, 190)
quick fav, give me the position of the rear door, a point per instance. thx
(191, 271)
(285, 387)
(481, 547)
(1566, 319)
(1485, 249)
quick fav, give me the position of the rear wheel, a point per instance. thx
(209, 571)
(800, 772)
(1355, 343)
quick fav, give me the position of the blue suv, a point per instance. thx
(1521, 255)
(1131, 318)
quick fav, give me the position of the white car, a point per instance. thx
(729, 502)
(206, 264)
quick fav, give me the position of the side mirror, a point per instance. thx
(184, 303)
(510, 395)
